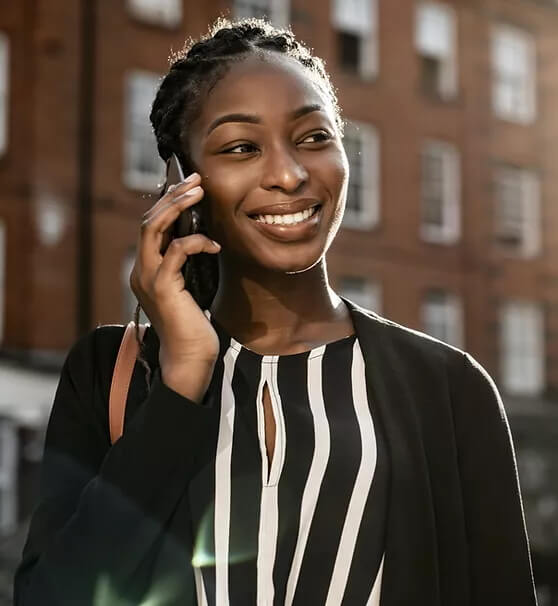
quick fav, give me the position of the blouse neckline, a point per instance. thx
(271, 358)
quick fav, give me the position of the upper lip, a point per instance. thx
(285, 208)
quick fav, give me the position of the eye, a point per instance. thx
(317, 137)
(241, 148)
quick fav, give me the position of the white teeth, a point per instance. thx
(287, 219)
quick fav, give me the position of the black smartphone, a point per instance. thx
(189, 221)
(200, 271)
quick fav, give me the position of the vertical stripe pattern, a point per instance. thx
(223, 481)
(306, 526)
(317, 468)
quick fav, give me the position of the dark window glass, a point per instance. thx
(349, 50)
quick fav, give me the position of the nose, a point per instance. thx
(283, 171)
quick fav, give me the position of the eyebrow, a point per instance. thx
(251, 119)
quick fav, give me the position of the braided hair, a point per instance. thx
(193, 72)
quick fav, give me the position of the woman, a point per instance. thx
(282, 445)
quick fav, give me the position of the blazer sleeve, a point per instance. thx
(500, 562)
(102, 507)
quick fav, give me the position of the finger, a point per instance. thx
(153, 234)
(182, 200)
(174, 190)
(180, 249)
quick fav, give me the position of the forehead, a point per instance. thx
(270, 86)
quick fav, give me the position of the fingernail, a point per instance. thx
(216, 244)
(191, 192)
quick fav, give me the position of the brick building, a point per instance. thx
(450, 226)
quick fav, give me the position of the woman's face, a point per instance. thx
(267, 137)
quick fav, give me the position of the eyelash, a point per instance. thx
(325, 136)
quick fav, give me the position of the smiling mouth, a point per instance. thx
(288, 219)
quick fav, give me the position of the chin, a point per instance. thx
(291, 263)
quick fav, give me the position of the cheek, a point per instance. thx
(225, 189)
(333, 172)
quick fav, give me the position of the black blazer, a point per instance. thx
(112, 522)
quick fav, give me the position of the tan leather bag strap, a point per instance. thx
(121, 377)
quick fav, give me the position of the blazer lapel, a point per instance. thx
(410, 574)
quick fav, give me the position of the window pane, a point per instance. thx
(144, 168)
(517, 222)
(276, 11)
(349, 50)
(164, 12)
(442, 317)
(362, 291)
(522, 348)
(353, 148)
(434, 30)
(440, 192)
(355, 16)
(513, 74)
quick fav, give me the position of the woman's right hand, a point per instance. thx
(185, 334)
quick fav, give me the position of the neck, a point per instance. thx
(257, 305)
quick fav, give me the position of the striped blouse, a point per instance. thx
(309, 527)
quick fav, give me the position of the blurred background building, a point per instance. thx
(451, 225)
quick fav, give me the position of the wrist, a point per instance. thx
(190, 379)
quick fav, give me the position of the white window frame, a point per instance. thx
(527, 221)
(9, 451)
(149, 181)
(277, 11)
(445, 309)
(449, 231)
(515, 103)
(167, 13)
(368, 178)
(4, 91)
(3, 264)
(360, 18)
(436, 48)
(522, 348)
(363, 291)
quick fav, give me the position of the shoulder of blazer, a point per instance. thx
(403, 340)
(96, 353)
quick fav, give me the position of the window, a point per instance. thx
(356, 23)
(517, 211)
(366, 293)
(9, 453)
(441, 192)
(276, 11)
(442, 317)
(3, 246)
(435, 39)
(4, 81)
(514, 74)
(144, 169)
(522, 348)
(158, 12)
(129, 301)
(362, 210)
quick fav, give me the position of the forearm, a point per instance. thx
(122, 511)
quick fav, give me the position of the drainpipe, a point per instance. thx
(85, 165)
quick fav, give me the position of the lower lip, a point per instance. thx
(294, 231)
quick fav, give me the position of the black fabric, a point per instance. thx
(324, 470)
(455, 532)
